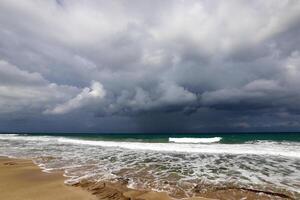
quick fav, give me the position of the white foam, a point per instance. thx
(287, 149)
(195, 140)
(26, 138)
(7, 135)
(261, 148)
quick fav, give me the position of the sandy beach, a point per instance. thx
(23, 180)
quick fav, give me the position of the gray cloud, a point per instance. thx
(22, 91)
(159, 66)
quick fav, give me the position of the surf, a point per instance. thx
(179, 145)
(195, 140)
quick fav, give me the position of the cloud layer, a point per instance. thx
(130, 66)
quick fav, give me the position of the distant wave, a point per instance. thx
(25, 137)
(195, 140)
(275, 149)
(288, 149)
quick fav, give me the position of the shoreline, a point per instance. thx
(22, 179)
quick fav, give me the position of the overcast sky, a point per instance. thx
(149, 66)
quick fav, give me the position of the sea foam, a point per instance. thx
(195, 140)
(286, 149)
(184, 145)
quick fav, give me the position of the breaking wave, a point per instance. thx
(183, 145)
(260, 148)
(195, 140)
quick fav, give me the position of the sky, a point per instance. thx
(149, 66)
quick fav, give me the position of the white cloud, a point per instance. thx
(224, 27)
(86, 97)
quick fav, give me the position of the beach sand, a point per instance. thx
(23, 180)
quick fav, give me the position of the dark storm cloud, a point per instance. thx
(139, 66)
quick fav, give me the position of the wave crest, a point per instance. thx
(195, 140)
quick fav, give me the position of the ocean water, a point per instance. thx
(175, 163)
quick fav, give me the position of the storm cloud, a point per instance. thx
(149, 66)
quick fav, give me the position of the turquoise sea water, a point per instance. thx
(174, 163)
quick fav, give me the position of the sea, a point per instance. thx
(175, 163)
